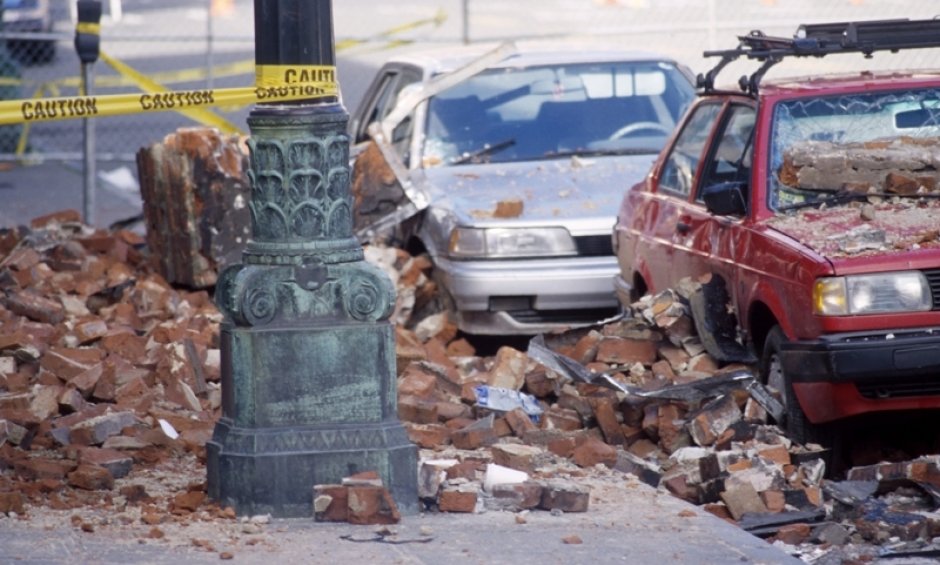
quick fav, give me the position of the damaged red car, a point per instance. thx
(814, 205)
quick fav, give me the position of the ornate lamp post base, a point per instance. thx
(308, 353)
(324, 376)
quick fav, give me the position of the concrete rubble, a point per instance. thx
(106, 370)
(898, 165)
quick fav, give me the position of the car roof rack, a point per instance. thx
(819, 40)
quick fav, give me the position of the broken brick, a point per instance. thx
(713, 419)
(740, 497)
(91, 477)
(331, 503)
(475, 435)
(515, 456)
(624, 351)
(460, 499)
(371, 505)
(564, 496)
(509, 369)
(593, 451)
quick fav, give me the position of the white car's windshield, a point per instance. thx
(519, 114)
(828, 149)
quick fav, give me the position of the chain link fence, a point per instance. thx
(195, 44)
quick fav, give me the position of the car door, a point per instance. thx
(666, 214)
(706, 243)
(380, 100)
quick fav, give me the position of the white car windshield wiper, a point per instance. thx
(485, 151)
(599, 152)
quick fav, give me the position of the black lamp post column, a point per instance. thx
(308, 353)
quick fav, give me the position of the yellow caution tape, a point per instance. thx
(70, 107)
(267, 76)
(21, 144)
(273, 83)
(89, 28)
(162, 97)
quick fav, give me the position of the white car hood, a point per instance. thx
(550, 192)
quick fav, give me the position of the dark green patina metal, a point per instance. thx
(308, 353)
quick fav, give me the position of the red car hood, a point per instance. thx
(864, 229)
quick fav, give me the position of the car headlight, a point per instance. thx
(906, 291)
(500, 243)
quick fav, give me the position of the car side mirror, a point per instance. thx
(726, 198)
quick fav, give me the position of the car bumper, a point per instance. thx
(847, 374)
(530, 296)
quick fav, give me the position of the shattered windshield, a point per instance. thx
(520, 114)
(827, 150)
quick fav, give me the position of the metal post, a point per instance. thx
(465, 5)
(87, 46)
(308, 352)
(209, 45)
(88, 127)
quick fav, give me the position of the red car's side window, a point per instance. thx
(731, 159)
(678, 174)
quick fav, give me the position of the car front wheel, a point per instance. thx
(797, 426)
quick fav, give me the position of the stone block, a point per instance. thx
(607, 421)
(428, 436)
(565, 496)
(458, 499)
(476, 435)
(793, 534)
(562, 419)
(740, 498)
(417, 381)
(35, 307)
(514, 497)
(117, 464)
(417, 410)
(539, 383)
(519, 422)
(593, 451)
(515, 456)
(509, 369)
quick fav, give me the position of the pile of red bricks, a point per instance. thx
(99, 360)
(105, 369)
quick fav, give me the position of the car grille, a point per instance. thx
(925, 386)
(600, 245)
(562, 316)
(933, 278)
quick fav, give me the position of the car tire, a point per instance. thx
(797, 426)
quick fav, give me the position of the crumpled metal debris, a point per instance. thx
(688, 392)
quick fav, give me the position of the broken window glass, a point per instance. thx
(856, 144)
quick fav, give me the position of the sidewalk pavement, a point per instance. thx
(627, 522)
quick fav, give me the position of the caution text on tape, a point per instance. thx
(63, 108)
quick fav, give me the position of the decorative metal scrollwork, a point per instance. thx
(259, 306)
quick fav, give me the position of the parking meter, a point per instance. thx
(88, 30)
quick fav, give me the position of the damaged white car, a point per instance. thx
(506, 166)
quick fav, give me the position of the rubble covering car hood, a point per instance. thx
(864, 229)
(550, 191)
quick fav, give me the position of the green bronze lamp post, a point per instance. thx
(308, 353)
